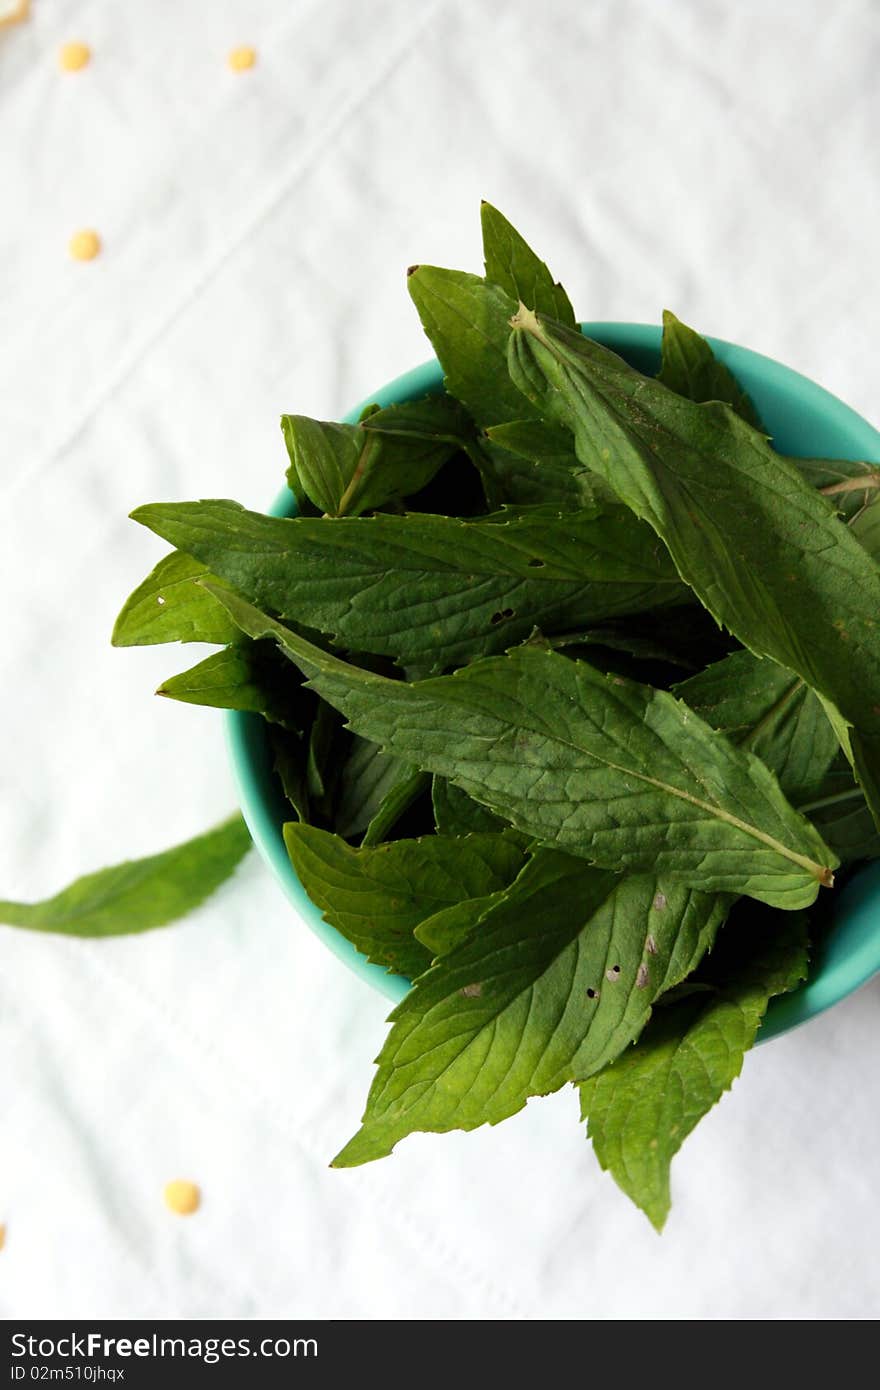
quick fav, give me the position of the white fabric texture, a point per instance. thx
(717, 158)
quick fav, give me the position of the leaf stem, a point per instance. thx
(351, 491)
(785, 698)
(871, 479)
(851, 794)
(822, 872)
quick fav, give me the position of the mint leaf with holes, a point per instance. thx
(641, 1109)
(553, 667)
(512, 1011)
(428, 589)
(170, 606)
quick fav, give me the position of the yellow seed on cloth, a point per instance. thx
(84, 245)
(12, 11)
(240, 59)
(2, 1236)
(74, 56)
(182, 1197)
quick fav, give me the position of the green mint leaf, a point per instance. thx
(547, 444)
(685, 637)
(841, 815)
(643, 646)
(373, 786)
(171, 607)
(762, 550)
(619, 773)
(447, 928)
(455, 813)
(398, 800)
(245, 676)
(769, 710)
(863, 751)
(323, 459)
(366, 777)
(376, 896)
(431, 420)
(429, 588)
(140, 893)
(642, 1107)
(468, 323)
(324, 755)
(558, 975)
(687, 926)
(513, 266)
(529, 461)
(349, 469)
(865, 524)
(289, 756)
(690, 368)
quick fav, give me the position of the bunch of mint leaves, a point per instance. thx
(573, 690)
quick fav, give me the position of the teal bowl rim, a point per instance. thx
(851, 953)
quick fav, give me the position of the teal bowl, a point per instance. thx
(803, 420)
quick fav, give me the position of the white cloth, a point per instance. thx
(717, 158)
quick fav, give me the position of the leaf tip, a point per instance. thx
(411, 270)
(342, 1159)
(657, 1219)
(364, 1147)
